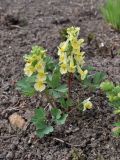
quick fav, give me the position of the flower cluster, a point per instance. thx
(71, 58)
(35, 64)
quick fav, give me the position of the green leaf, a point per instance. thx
(58, 117)
(26, 86)
(40, 124)
(107, 86)
(99, 77)
(65, 102)
(62, 102)
(56, 113)
(116, 104)
(62, 88)
(117, 111)
(69, 102)
(39, 120)
(117, 124)
(50, 63)
(62, 119)
(56, 78)
(116, 90)
(116, 130)
(87, 82)
(89, 68)
(39, 115)
(54, 93)
(42, 132)
(93, 81)
(49, 80)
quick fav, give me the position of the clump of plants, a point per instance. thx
(113, 95)
(43, 74)
(111, 13)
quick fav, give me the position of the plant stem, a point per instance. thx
(70, 79)
(50, 99)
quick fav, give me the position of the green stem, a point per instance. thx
(50, 99)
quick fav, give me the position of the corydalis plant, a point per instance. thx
(44, 76)
(71, 58)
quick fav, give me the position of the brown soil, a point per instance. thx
(27, 22)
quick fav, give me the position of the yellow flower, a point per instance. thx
(79, 59)
(41, 75)
(63, 68)
(31, 58)
(73, 32)
(81, 42)
(71, 47)
(39, 86)
(62, 47)
(87, 104)
(72, 67)
(29, 69)
(40, 65)
(82, 73)
(39, 51)
(75, 44)
(62, 58)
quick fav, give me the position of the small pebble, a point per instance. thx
(10, 156)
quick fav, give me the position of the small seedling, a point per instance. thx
(113, 95)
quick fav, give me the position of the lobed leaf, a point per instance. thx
(62, 119)
(42, 132)
(56, 113)
(26, 85)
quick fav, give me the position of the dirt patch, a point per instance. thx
(85, 136)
